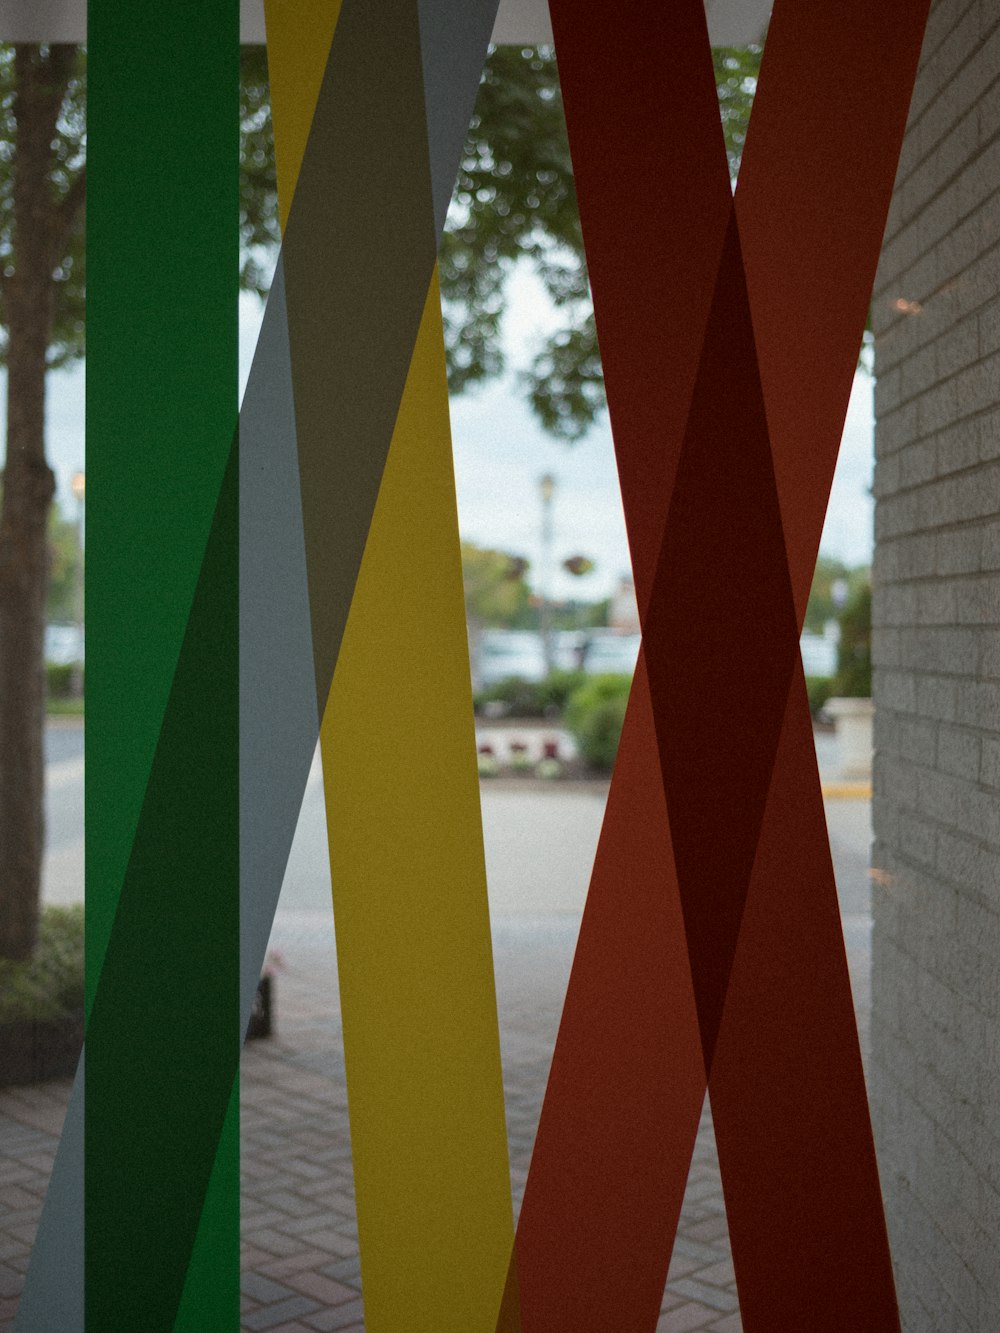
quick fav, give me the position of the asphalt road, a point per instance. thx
(539, 841)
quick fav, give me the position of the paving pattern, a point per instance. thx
(300, 1262)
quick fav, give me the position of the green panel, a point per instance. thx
(163, 1037)
(162, 689)
(208, 1305)
(162, 259)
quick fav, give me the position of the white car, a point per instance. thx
(608, 652)
(63, 644)
(506, 653)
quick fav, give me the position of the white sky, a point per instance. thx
(500, 453)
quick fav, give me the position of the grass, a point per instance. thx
(64, 707)
(50, 984)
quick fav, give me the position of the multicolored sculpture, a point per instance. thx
(254, 582)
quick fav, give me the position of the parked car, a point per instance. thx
(63, 644)
(819, 653)
(609, 652)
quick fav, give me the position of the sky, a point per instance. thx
(501, 452)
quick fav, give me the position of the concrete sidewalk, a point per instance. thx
(299, 1231)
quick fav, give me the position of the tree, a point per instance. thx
(834, 583)
(496, 593)
(854, 656)
(514, 198)
(42, 190)
(42, 290)
(65, 558)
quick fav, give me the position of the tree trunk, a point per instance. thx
(28, 487)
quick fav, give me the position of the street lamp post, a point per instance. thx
(547, 490)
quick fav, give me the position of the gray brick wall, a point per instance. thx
(935, 1070)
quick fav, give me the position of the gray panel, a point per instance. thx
(278, 717)
(453, 37)
(53, 1290)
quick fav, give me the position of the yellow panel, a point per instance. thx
(409, 886)
(299, 36)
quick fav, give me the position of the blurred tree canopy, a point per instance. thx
(64, 571)
(496, 591)
(854, 656)
(62, 72)
(834, 584)
(514, 201)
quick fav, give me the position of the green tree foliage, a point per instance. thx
(64, 70)
(832, 577)
(595, 715)
(736, 72)
(854, 658)
(260, 233)
(65, 558)
(496, 593)
(514, 201)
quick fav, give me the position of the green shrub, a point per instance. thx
(557, 688)
(820, 688)
(594, 715)
(520, 698)
(50, 984)
(526, 698)
(60, 678)
(854, 656)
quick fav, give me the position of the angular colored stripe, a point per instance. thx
(279, 722)
(635, 340)
(409, 884)
(454, 36)
(652, 290)
(810, 261)
(787, 1080)
(787, 1087)
(161, 806)
(161, 384)
(299, 36)
(278, 702)
(163, 1037)
(627, 1081)
(654, 207)
(359, 248)
(417, 991)
(722, 578)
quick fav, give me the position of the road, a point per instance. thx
(539, 843)
(539, 840)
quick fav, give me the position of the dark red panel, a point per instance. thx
(627, 1081)
(727, 381)
(787, 1088)
(720, 640)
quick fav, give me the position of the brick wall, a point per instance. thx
(935, 1070)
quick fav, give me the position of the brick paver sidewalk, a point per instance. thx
(300, 1264)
